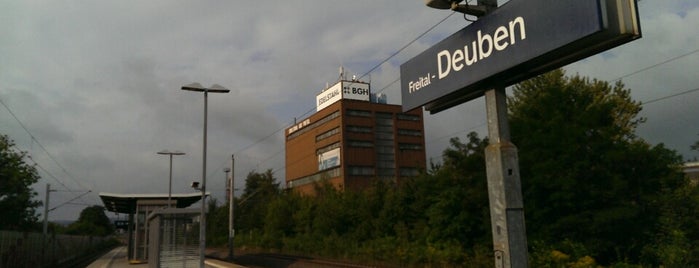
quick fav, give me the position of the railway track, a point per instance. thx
(256, 260)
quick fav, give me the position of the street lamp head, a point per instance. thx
(193, 87)
(441, 4)
(215, 88)
(166, 152)
(226, 170)
(482, 8)
(218, 88)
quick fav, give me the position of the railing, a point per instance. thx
(18, 249)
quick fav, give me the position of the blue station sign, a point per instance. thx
(519, 40)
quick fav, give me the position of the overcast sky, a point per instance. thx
(97, 83)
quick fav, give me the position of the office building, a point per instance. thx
(353, 139)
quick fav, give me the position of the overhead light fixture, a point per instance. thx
(483, 7)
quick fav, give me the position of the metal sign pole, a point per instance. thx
(504, 187)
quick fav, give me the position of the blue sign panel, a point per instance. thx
(520, 39)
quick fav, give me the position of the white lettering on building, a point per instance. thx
(300, 125)
(343, 90)
(328, 96)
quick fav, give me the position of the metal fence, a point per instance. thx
(18, 249)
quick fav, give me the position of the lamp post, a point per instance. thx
(202, 228)
(169, 189)
(46, 221)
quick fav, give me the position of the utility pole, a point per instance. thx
(46, 210)
(504, 186)
(44, 237)
(231, 195)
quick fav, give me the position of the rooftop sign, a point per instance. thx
(342, 90)
(519, 40)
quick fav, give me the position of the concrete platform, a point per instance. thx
(117, 259)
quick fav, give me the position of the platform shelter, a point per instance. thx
(139, 207)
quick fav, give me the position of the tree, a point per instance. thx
(260, 189)
(93, 222)
(586, 177)
(216, 223)
(454, 198)
(16, 196)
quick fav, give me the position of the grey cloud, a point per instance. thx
(98, 82)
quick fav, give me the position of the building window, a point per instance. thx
(359, 143)
(360, 171)
(359, 129)
(385, 145)
(327, 174)
(384, 115)
(385, 164)
(408, 117)
(328, 148)
(387, 129)
(386, 142)
(409, 146)
(385, 136)
(409, 172)
(387, 172)
(387, 156)
(360, 113)
(410, 132)
(384, 151)
(327, 134)
(313, 125)
(386, 122)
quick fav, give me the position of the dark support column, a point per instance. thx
(130, 251)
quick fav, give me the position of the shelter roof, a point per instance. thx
(126, 203)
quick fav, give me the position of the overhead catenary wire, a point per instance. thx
(406, 46)
(35, 140)
(657, 64)
(40, 167)
(642, 103)
(71, 200)
(47, 172)
(669, 96)
(282, 150)
(434, 26)
(365, 74)
(360, 77)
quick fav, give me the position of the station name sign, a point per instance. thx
(517, 41)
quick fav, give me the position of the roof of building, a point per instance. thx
(126, 203)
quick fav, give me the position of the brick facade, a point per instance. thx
(375, 141)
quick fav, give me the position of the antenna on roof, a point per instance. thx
(342, 72)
